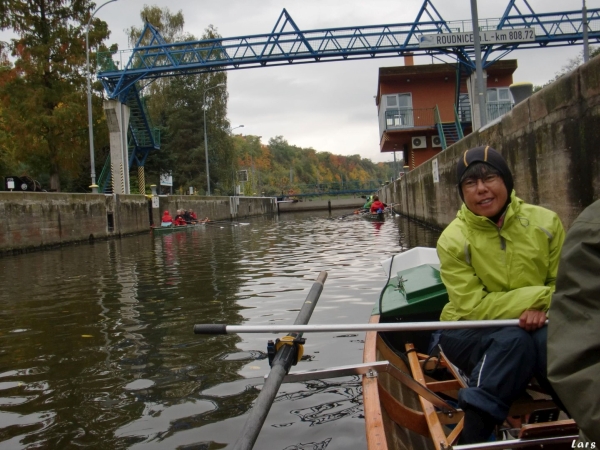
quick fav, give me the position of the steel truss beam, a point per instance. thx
(287, 44)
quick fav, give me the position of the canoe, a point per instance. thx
(374, 217)
(164, 230)
(425, 416)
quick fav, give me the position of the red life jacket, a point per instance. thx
(377, 205)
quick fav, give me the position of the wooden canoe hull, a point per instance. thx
(393, 416)
(171, 229)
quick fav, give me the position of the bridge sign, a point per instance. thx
(486, 38)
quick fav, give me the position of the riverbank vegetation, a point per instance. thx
(43, 114)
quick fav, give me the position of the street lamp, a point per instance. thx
(205, 139)
(89, 95)
(584, 25)
(239, 126)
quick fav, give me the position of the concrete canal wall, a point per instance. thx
(320, 205)
(34, 219)
(551, 142)
(38, 220)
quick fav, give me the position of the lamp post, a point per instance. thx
(239, 126)
(584, 26)
(205, 138)
(89, 96)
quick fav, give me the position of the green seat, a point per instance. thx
(418, 290)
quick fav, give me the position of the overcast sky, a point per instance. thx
(328, 106)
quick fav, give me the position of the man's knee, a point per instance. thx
(512, 339)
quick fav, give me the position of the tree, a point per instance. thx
(43, 100)
(571, 65)
(269, 168)
(176, 105)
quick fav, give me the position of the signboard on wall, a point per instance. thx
(166, 179)
(436, 173)
(485, 38)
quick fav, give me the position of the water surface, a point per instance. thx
(97, 348)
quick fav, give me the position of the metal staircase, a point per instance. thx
(449, 132)
(142, 138)
(104, 184)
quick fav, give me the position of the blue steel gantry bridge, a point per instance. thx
(287, 44)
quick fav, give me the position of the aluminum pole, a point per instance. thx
(407, 326)
(89, 94)
(584, 24)
(478, 68)
(206, 147)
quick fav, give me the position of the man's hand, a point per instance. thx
(531, 320)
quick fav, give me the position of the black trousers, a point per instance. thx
(500, 362)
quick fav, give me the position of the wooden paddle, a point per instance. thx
(285, 357)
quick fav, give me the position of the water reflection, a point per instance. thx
(97, 348)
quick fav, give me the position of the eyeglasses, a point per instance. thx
(470, 184)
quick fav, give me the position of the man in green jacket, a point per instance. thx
(499, 260)
(574, 331)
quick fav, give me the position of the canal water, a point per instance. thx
(97, 349)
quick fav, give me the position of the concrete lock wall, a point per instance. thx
(319, 205)
(550, 142)
(37, 220)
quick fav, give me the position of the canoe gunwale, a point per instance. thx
(375, 430)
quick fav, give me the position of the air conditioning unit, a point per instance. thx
(436, 141)
(419, 142)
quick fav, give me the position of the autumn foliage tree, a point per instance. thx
(43, 114)
(176, 105)
(283, 168)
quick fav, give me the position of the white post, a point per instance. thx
(117, 119)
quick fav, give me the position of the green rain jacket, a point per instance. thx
(574, 331)
(497, 273)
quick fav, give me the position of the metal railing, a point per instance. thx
(397, 119)
(495, 110)
(458, 124)
(104, 177)
(439, 126)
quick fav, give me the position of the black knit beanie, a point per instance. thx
(488, 155)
